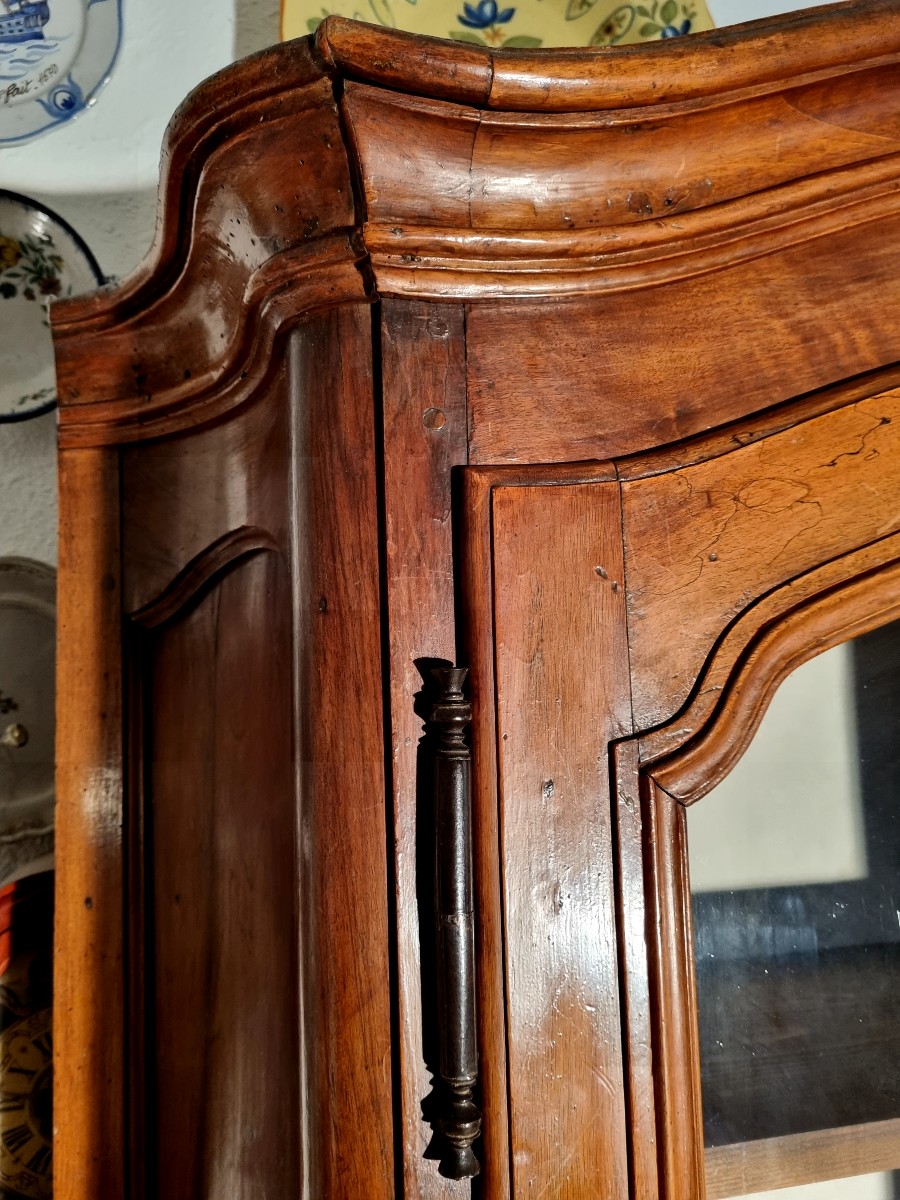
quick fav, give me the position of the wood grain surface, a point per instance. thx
(89, 1031)
(802, 1158)
(504, 171)
(559, 600)
(825, 614)
(477, 613)
(676, 1043)
(575, 367)
(746, 634)
(764, 513)
(422, 355)
(184, 496)
(222, 1056)
(477, 590)
(760, 55)
(348, 1042)
(847, 610)
(779, 332)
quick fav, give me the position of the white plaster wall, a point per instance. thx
(100, 174)
(732, 12)
(28, 489)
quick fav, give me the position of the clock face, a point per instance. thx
(26, 1107)
(26, 1046)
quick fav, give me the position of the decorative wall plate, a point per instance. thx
(55, 55)
(40, 257)
(519, 24)
(27, 726)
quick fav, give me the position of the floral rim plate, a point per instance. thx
(27, 722)
(55, 55)
(512, 24)
(41, 257)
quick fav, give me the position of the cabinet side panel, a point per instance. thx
(219, 822)
(181, 495)
(345, 949)
(424, 412)
(88, 1018)
(562, 695)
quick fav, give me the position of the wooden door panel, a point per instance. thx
(562, 693)
(219, 816)
(180, 495)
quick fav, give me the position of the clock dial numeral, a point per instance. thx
(40, 1161)
(44, 1044)
(16, 1138)
(26, 1071)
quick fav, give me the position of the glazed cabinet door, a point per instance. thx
(771, 923)
(793, 868)
(626, 625)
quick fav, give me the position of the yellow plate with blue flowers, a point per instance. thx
(521, 24)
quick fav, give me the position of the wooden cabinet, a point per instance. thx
(576, 369)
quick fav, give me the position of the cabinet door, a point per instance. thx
(749, 552)
(614, 613)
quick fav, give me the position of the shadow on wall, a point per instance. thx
(257, 25)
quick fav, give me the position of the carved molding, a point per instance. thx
(719, 724)
(423, 263)
(747, 431)
(762, 649)
(784, 498)
(282, 84)
(800, 47)
(370, 163)
(256, 227)
(277, 297)
(192, 580)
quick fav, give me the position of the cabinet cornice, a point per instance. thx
(367, 163)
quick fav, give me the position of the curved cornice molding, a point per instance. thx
(475, 264)
(276, 297)
(761, 55)
(202, 138)
(370, 162)
(256, 228)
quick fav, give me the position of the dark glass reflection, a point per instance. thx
(799, 986)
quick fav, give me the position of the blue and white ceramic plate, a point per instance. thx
(41, 257)
(55, 55)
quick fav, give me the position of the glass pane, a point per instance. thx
(794, 860)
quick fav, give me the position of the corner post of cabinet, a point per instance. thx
(89, 1012)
